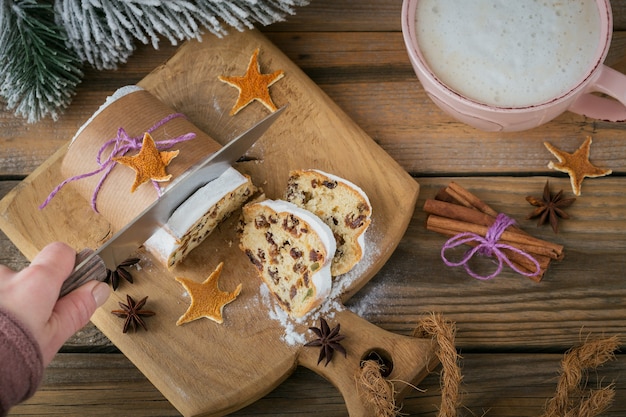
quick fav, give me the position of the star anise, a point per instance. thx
(328, 341)
(550, 207)
(113, 277)
(133, 313)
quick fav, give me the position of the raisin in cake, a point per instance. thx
(292, 251)
(342, 205)
(199, 215)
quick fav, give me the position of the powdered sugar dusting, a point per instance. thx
(371, 252)
(367, 305)
(292, 335)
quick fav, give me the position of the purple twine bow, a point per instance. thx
(122, 143)
(488, 246)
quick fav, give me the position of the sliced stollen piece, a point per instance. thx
(198, 216)
(292, 250)
(342, 205)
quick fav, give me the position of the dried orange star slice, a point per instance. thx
(253, 85)
(576, 164)
(149, 164)
(207, 300)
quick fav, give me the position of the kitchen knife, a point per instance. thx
(92, 264)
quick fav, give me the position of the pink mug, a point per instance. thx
(576, 97)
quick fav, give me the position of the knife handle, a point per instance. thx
(93, 269)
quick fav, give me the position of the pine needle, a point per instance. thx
(43, 47)
(38, 74)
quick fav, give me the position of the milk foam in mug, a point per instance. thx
(502, 65)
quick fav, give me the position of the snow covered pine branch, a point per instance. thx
(44, 45)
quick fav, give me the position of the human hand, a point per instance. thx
(32, 296)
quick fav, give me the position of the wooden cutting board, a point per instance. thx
(205, 368)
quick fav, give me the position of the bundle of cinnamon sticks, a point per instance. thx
(455, 210)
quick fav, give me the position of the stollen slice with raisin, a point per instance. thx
(292, 251)
(341, 204)
(194, 220)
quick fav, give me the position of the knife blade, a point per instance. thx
(93, 264)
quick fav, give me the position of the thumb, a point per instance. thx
(71, 313)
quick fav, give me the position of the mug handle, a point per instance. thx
(611, 109)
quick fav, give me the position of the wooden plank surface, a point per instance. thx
(503, 385)
(512, 331)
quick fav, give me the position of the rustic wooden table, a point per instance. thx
(512, 332)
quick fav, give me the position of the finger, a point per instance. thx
(57, 259)
(6, 272)
(75, 309)
(48, 270)
(33, 289)
(71, 313)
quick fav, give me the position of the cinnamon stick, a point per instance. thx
(464, 214)
(521, 241)
(520, 261)
(468, 199)
(456, 210)
(463, 198)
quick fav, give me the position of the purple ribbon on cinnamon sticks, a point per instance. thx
(488, 246)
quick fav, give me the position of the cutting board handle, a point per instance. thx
(410, 359)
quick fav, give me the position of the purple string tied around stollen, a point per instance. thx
(122, 144)
(490, 247)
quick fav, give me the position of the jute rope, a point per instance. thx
(377, 391)
(443, 331)
(570, 399)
